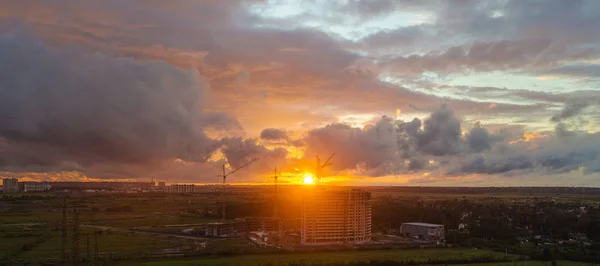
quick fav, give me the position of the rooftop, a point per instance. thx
(424, 224)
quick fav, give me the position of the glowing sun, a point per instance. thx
(308, 179)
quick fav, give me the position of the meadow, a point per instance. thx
(30, 228)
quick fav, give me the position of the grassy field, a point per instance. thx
(417, 255)
(528, 263)
(30, 229)
(107, 243)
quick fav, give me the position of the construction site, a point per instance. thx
(328, 216)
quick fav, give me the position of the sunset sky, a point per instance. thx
(405, 92)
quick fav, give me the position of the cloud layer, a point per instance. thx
(430, 89)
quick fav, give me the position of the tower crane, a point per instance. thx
(275, 195)
(275, 176)
(321, 166)
(225, 175)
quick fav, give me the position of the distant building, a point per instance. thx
(423, 230)
(242, 226)
(268, 224)
(181, 189)
(115, 186)
(161, 185)
(335, 216)
(34, 186)
(10, 185)
(226, 229)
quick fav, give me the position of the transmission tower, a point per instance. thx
(75, 247)
(95, 247)
(65, 231)
(88, 256)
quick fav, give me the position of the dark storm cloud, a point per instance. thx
(386, 144)
(478, 138)
(572, 107)
(575, 151)
(372, 147)
(408, 148)
(441, 133)
(580, 151)
(493, 164)
(273, 134)
(220, 121)
(411, 128)
(416, 164)
(61, 105)
(238, 151)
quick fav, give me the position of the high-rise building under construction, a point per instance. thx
(335, 216)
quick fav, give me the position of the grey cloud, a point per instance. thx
(493, 164)
(385, 145)
(411, 128)
(61, 105)
(478, 138)
(482, 56)
(381, 150)
(416, 164)
(273, 134)
(239, 151)
(581, 71)
(571, 108)
(570, 153)
(441, 133)
(561, 130)
(372, 147)
(221, 121)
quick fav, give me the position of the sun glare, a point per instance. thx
(308, 179)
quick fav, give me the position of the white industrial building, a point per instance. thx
(423, 230)
(34, 186)
(10, 185)
(335, 216)
(178, 189)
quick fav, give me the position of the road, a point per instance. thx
(123, 230)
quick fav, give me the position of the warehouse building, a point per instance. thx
(423, 230)
(335, 216)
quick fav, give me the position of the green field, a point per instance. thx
(321, 258)
(527, 263)
(30, 228)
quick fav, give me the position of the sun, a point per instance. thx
(308, 179)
